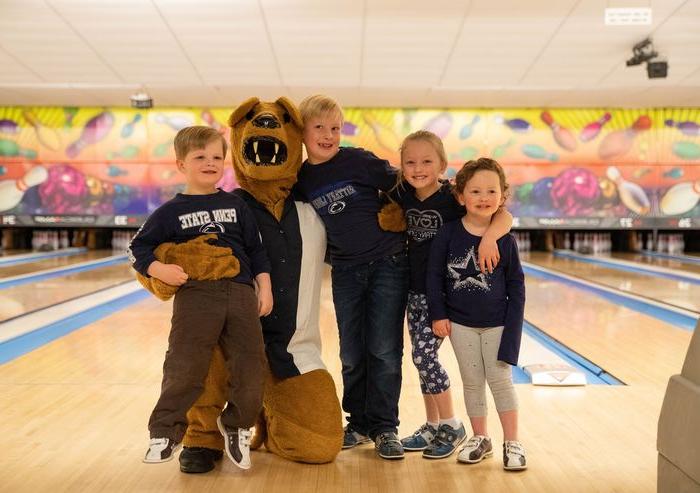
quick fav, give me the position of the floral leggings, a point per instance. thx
(425, 345)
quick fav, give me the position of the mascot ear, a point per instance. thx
(292, 110)
(243, 109)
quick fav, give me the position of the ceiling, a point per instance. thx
(386, 53)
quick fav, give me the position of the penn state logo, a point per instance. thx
(336, 207)
(212, 228)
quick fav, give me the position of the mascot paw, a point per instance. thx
(391, 218)
(157, 287)
(260, 434)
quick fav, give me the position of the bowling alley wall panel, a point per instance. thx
(568, 168)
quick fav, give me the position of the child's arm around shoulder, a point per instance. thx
(381, 174)
(489, 256)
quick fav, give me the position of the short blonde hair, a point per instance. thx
(319, 104)
(196, 137)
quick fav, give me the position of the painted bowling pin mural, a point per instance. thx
(12, 191)
(680, 198)
(619, 142)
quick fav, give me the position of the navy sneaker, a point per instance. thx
(514, 456)
(352, 438)
(388, 446)
(420, 439)
(477, 449)
(445, 442)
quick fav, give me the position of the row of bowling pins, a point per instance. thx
(590, 242)
(50, 239)
(523, 240)
(665, 243)
(121, 239)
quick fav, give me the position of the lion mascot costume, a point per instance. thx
(301, 418)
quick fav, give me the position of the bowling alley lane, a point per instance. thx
(631, 346)
(51, 263)
(679, 293)
(665, 262)
(17, 300)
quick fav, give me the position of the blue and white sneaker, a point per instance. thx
(420, 439)
(352, 438)
(445, 442)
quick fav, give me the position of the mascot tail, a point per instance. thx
(260, 434)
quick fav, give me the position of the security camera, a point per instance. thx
(643, 52)
(141, 100)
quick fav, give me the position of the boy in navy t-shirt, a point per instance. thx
(207, 313)
(369, 273)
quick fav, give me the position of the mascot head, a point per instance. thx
(266, 143)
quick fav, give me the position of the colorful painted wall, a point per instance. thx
(574, 168)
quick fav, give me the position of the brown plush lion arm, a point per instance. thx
(199, 258)
(391, 216)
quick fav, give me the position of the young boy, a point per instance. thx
(206, 313)
(369, 273)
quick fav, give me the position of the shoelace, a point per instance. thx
(244, 437)
(425, 428)
(474, 441)
(386, 437)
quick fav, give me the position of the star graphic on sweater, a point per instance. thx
(462, 280)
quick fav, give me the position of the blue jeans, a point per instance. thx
(370, 302)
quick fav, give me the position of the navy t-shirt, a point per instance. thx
(459, 291)
(185, 217)
(423, 220)
(344, 192)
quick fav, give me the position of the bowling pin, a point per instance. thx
(680, 198)
(632, 195)
(385, 136)
(11, 149)
(467, 130)
(686, 150)
(562, 136)
(175, 122)
(620, 142)
(48, 137)
(65, 242)
(128, 128)
(12, 191)
(94, 130)
(591, 131)
(515, 124)
(440, 125)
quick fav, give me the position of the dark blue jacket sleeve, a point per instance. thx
(509, 349)
(143, 244)
(437, 270)
(381, 174)
(259, 261)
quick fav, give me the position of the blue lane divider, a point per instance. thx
(667, 315)
(594, 373)
(40, 276)
(627, 268)
(519, 375)
(683, 258)
(33, 257)
(25, 343)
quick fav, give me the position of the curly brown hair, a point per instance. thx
(482, 164)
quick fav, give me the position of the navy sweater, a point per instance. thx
(458, 291)
(423, 219)
(344, 192)
(185, 217)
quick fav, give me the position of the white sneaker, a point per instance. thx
(477, 449)
(236, 443)
(514, 456)
(161, 450)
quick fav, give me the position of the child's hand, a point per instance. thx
(171, 274)
(442, 328)
(263, 288)
(488, 255)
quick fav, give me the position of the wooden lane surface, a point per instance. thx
(679, 293)
(75, 414)
(634, 347)
(17, 300)
(668, 263)
(52, 263)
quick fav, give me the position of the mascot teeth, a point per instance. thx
(265, 151)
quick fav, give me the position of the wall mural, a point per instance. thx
(573, 168)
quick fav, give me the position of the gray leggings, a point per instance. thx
(477, 354)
